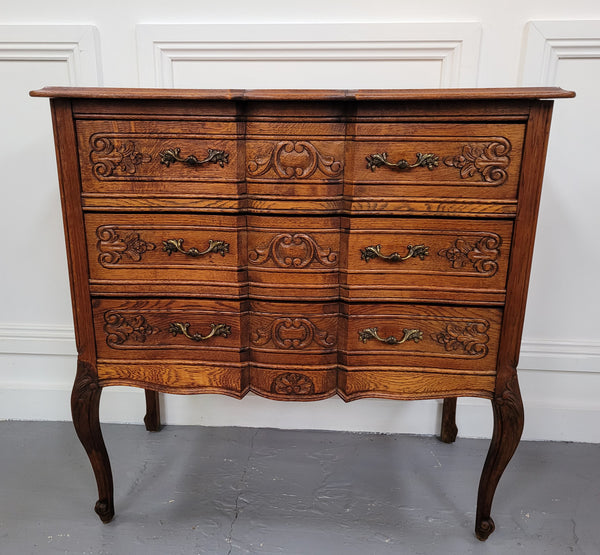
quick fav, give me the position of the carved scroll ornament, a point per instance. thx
(293, 250)
(489, 160)
(112, 246)
(480, 253)
(120, 328)
(292, 334)
(108, 157)
(470, 337)
(295, 160)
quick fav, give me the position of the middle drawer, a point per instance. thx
(433, 259)
(165, 255)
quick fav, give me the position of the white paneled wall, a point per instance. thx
(313, 44)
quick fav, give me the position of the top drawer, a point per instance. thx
(434, 161)
(136, 156)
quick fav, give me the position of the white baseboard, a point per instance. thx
(544, 421)
(560, 383)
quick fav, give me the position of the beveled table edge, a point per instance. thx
(509, 93)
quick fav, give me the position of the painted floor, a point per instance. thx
(195, 490)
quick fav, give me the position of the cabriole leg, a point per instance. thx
(152, 418)
(508, 427)
(448, 429)
(85, 404)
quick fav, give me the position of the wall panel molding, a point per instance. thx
(547, 42)
(75, 45)
(453, 45)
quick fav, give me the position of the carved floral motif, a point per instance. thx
(113, 247)
(108, 158)
(295, 250)
(489, 160)
(292, 333)
(295, 160)
(292, 383)
(481, 253)
(469, 337)
(120, 328)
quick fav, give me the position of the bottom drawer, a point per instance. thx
(173, 329)
(428, 338)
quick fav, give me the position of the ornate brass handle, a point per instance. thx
(171, 155)
(371, 333)
(176, 245)
(428, 161)
(216, 330)
(374, 251)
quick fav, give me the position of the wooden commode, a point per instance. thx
(301, 244)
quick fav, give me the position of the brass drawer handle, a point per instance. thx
(371, 333)
(171, 155)
(176, 245)
(428, 161)
(374, 251)
(216, 330)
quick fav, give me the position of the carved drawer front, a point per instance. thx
(293, 257)
(159, 329)
(404, 337)
(165, 157)
(305, 333)
(439, 162)
(425, 259)
(166, 254)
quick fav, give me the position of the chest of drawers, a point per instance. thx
(301, 244)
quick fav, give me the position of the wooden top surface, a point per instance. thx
(304, 94)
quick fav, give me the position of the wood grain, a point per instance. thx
(411, 385)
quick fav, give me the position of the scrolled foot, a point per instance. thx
(484, 528)
(104, 510)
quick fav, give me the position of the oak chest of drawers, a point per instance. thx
(301, 244)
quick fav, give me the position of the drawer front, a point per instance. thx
(387, 160)
(305, 333)
(293, 257)
(159, 329)
(430, 338)
(158, 156)
(160, 252)
(426, 259)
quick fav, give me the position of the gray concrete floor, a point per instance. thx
(189, 490)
